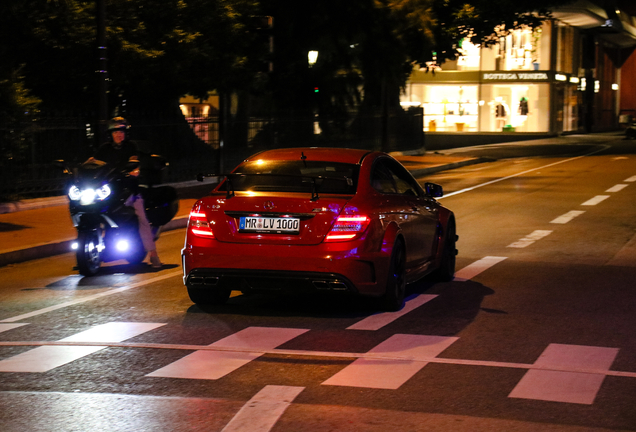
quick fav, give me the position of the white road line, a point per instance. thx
(377, 321)
(261, 413)
(213, 365)
(530, 238)
(519, 174)
(631, 179)
(6, 327)
(597, 199)
(45, 358)
(617, 188)
(391, 374)
(326, 354)
(563, 219)
(477, 267)
(570, 387)
(91, 297)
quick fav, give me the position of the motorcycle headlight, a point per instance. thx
(103, 192)
(88, 196)
(74, 193)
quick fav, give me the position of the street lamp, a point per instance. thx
(312, 56)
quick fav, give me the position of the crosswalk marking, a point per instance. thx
(477, 267)
(391, 374)
(617, 188)
(45, 358)
(6, 326)
(530, 238)
(261, 413)
(597, 199)
(562, 386)
(563, 219)
(213, 365)
(377, 321)
(631, 179)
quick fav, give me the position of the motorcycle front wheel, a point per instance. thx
(88, 259)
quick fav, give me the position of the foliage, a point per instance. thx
(157, 51)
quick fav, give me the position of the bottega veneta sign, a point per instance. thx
(515, 76)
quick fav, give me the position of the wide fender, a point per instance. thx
(445, 215)
(391, 233)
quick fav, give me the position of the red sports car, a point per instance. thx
(321, 219)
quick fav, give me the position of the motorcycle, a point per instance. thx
(107, 229)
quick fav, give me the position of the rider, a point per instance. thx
(118, 152)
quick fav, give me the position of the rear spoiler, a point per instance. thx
(316, 181)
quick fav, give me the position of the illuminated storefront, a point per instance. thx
(508, 87)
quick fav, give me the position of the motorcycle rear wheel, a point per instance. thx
(88, 258)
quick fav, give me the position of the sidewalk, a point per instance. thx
(42, 227)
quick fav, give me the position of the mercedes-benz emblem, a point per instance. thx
(268, 205)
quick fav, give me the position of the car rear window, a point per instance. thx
(296, 176)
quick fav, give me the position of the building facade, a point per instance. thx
(562, 77)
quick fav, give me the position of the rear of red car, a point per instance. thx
(287, 220)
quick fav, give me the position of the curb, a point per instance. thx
(45, 250)
(417, 172)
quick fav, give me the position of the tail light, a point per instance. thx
(348, 227)
(199, 225)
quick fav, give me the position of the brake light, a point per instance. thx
(347, 227)
(199, 225)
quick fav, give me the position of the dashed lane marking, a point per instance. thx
(530, 238)
(563, 219)
(45, 358)
(617, 188)
(597, 199)
(261, 413)
(244, 347)
(477, 267)
(570, 387)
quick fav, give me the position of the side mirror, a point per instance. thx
(433, 190)
(132, 165)
(158, 163)
(61, 164)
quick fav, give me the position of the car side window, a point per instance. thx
(381, 178)
(406, 184)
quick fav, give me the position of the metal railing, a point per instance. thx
(190, 144)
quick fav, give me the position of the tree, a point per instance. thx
(156, 51)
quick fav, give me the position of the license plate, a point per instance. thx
(274, 225)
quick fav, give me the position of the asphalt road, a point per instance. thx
(535, 333)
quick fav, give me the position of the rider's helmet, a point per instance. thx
(118, 123)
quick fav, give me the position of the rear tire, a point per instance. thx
(446, 270)
(393, 298)
(88, 256)
(205, 296)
